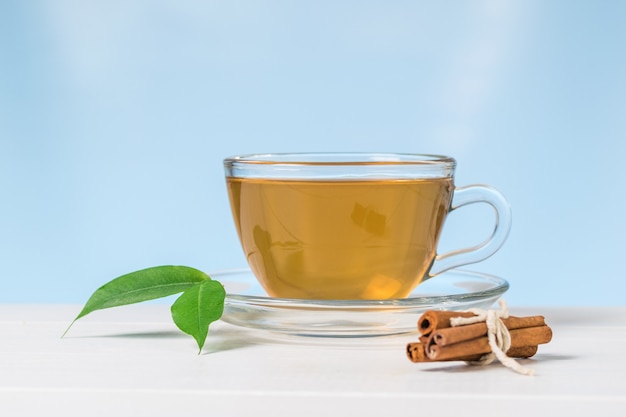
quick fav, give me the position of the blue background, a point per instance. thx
(115, 117)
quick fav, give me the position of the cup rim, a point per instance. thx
(339, 159)
(339, 166)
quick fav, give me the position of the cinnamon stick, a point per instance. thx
(530, 336)
(435, 319)
(522, 351)
(416, 352)
(451, 335)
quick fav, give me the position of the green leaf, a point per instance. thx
(143, 285)
(197, 308)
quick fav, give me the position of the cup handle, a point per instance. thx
(476, 194)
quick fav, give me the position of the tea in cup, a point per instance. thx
(351, 225)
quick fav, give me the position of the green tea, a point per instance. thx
(335, 239)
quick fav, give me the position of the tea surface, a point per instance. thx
(365, 239)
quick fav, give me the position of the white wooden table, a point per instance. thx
(132, 361)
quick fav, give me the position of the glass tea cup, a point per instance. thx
(351, 225)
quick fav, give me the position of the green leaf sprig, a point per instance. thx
(200, 304)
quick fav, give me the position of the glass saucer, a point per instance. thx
(248, 305)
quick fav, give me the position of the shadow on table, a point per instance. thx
(459, 367)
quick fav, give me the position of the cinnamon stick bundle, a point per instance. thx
(439, 341)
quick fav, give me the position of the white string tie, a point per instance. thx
(497, 334)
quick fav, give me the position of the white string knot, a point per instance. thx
(497, 334)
